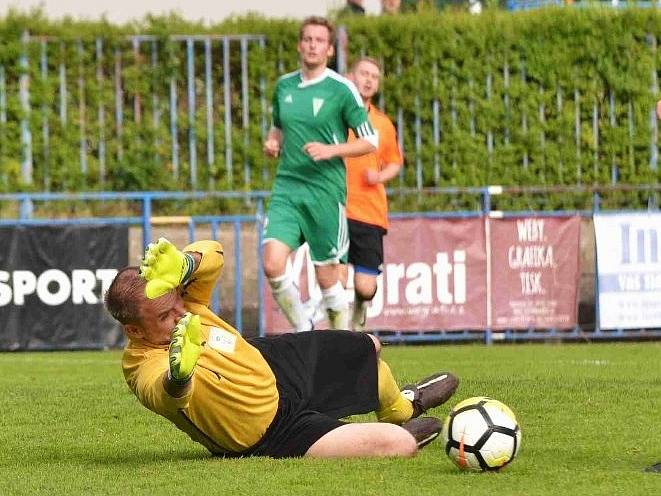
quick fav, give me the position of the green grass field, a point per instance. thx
(590, 416)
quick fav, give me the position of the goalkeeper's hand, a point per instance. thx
(185, 347)
(164, 268)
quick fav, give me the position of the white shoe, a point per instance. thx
(309, 326)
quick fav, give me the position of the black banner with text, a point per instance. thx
(52, 282)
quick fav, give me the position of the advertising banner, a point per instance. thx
(534, 272)
(629, 270)
(52, 281)
(434, 277)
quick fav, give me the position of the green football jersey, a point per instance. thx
(318, 110)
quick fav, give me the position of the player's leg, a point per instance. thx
(364, 440)
(395, 405)
(343, 271)
(325, 229)
(398, 406)
(393, 408)
(284, 289)
(376, 439)
(366, 256)
(302, 432)
(323, 377)
(333, 295)
(282, 235)
(364, 290)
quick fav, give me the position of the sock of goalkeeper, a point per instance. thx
(337, 306)
(393, 407)
(288, 298)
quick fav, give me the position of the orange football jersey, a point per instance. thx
(367, 202)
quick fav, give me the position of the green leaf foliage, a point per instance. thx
(559, 96)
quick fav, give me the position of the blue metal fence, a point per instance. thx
(27, 201)
(484, 199)
(185, 104)
(137, 85)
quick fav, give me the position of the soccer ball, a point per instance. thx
(481, 433)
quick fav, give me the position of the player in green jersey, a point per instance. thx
(313, 110)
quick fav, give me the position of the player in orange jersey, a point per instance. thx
(367, 205)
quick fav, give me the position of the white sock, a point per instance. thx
(286, 294)
(359, 315)
(337, 306)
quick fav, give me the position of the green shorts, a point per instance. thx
(320, 221)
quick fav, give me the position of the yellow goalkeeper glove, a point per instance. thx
(164, 268)
(185, 348)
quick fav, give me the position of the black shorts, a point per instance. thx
(321, 377)
(366, 247)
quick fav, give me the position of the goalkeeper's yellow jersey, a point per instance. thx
(233, 397)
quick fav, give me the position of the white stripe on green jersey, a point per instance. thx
(318, 110)
(343, 231)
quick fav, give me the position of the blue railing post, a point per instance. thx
(101, 110)
(26, 207)
(191, 230)
(208, 83)
(215, 298)
(245, 114)
(227, 103)
(262, 104)
(486, 209)
(26, 133)
(45, 129)
(119, 105)
(259, 224)
(487, 193)
(81, 111)
(486, 201)
(238, 286)
(341, 46)
(192, 138)
(596, 206)
(596, 202)
(174, 133)
(654, 90)
(146, 220)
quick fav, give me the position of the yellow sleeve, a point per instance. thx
(150, 387)
(203, 280)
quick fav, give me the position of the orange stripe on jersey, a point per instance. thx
(366, 202)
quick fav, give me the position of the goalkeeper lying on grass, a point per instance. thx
(281, 396)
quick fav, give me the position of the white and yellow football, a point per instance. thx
(481, 433)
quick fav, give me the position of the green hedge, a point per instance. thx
(514, 81)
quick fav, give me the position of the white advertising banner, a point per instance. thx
(629, 270)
